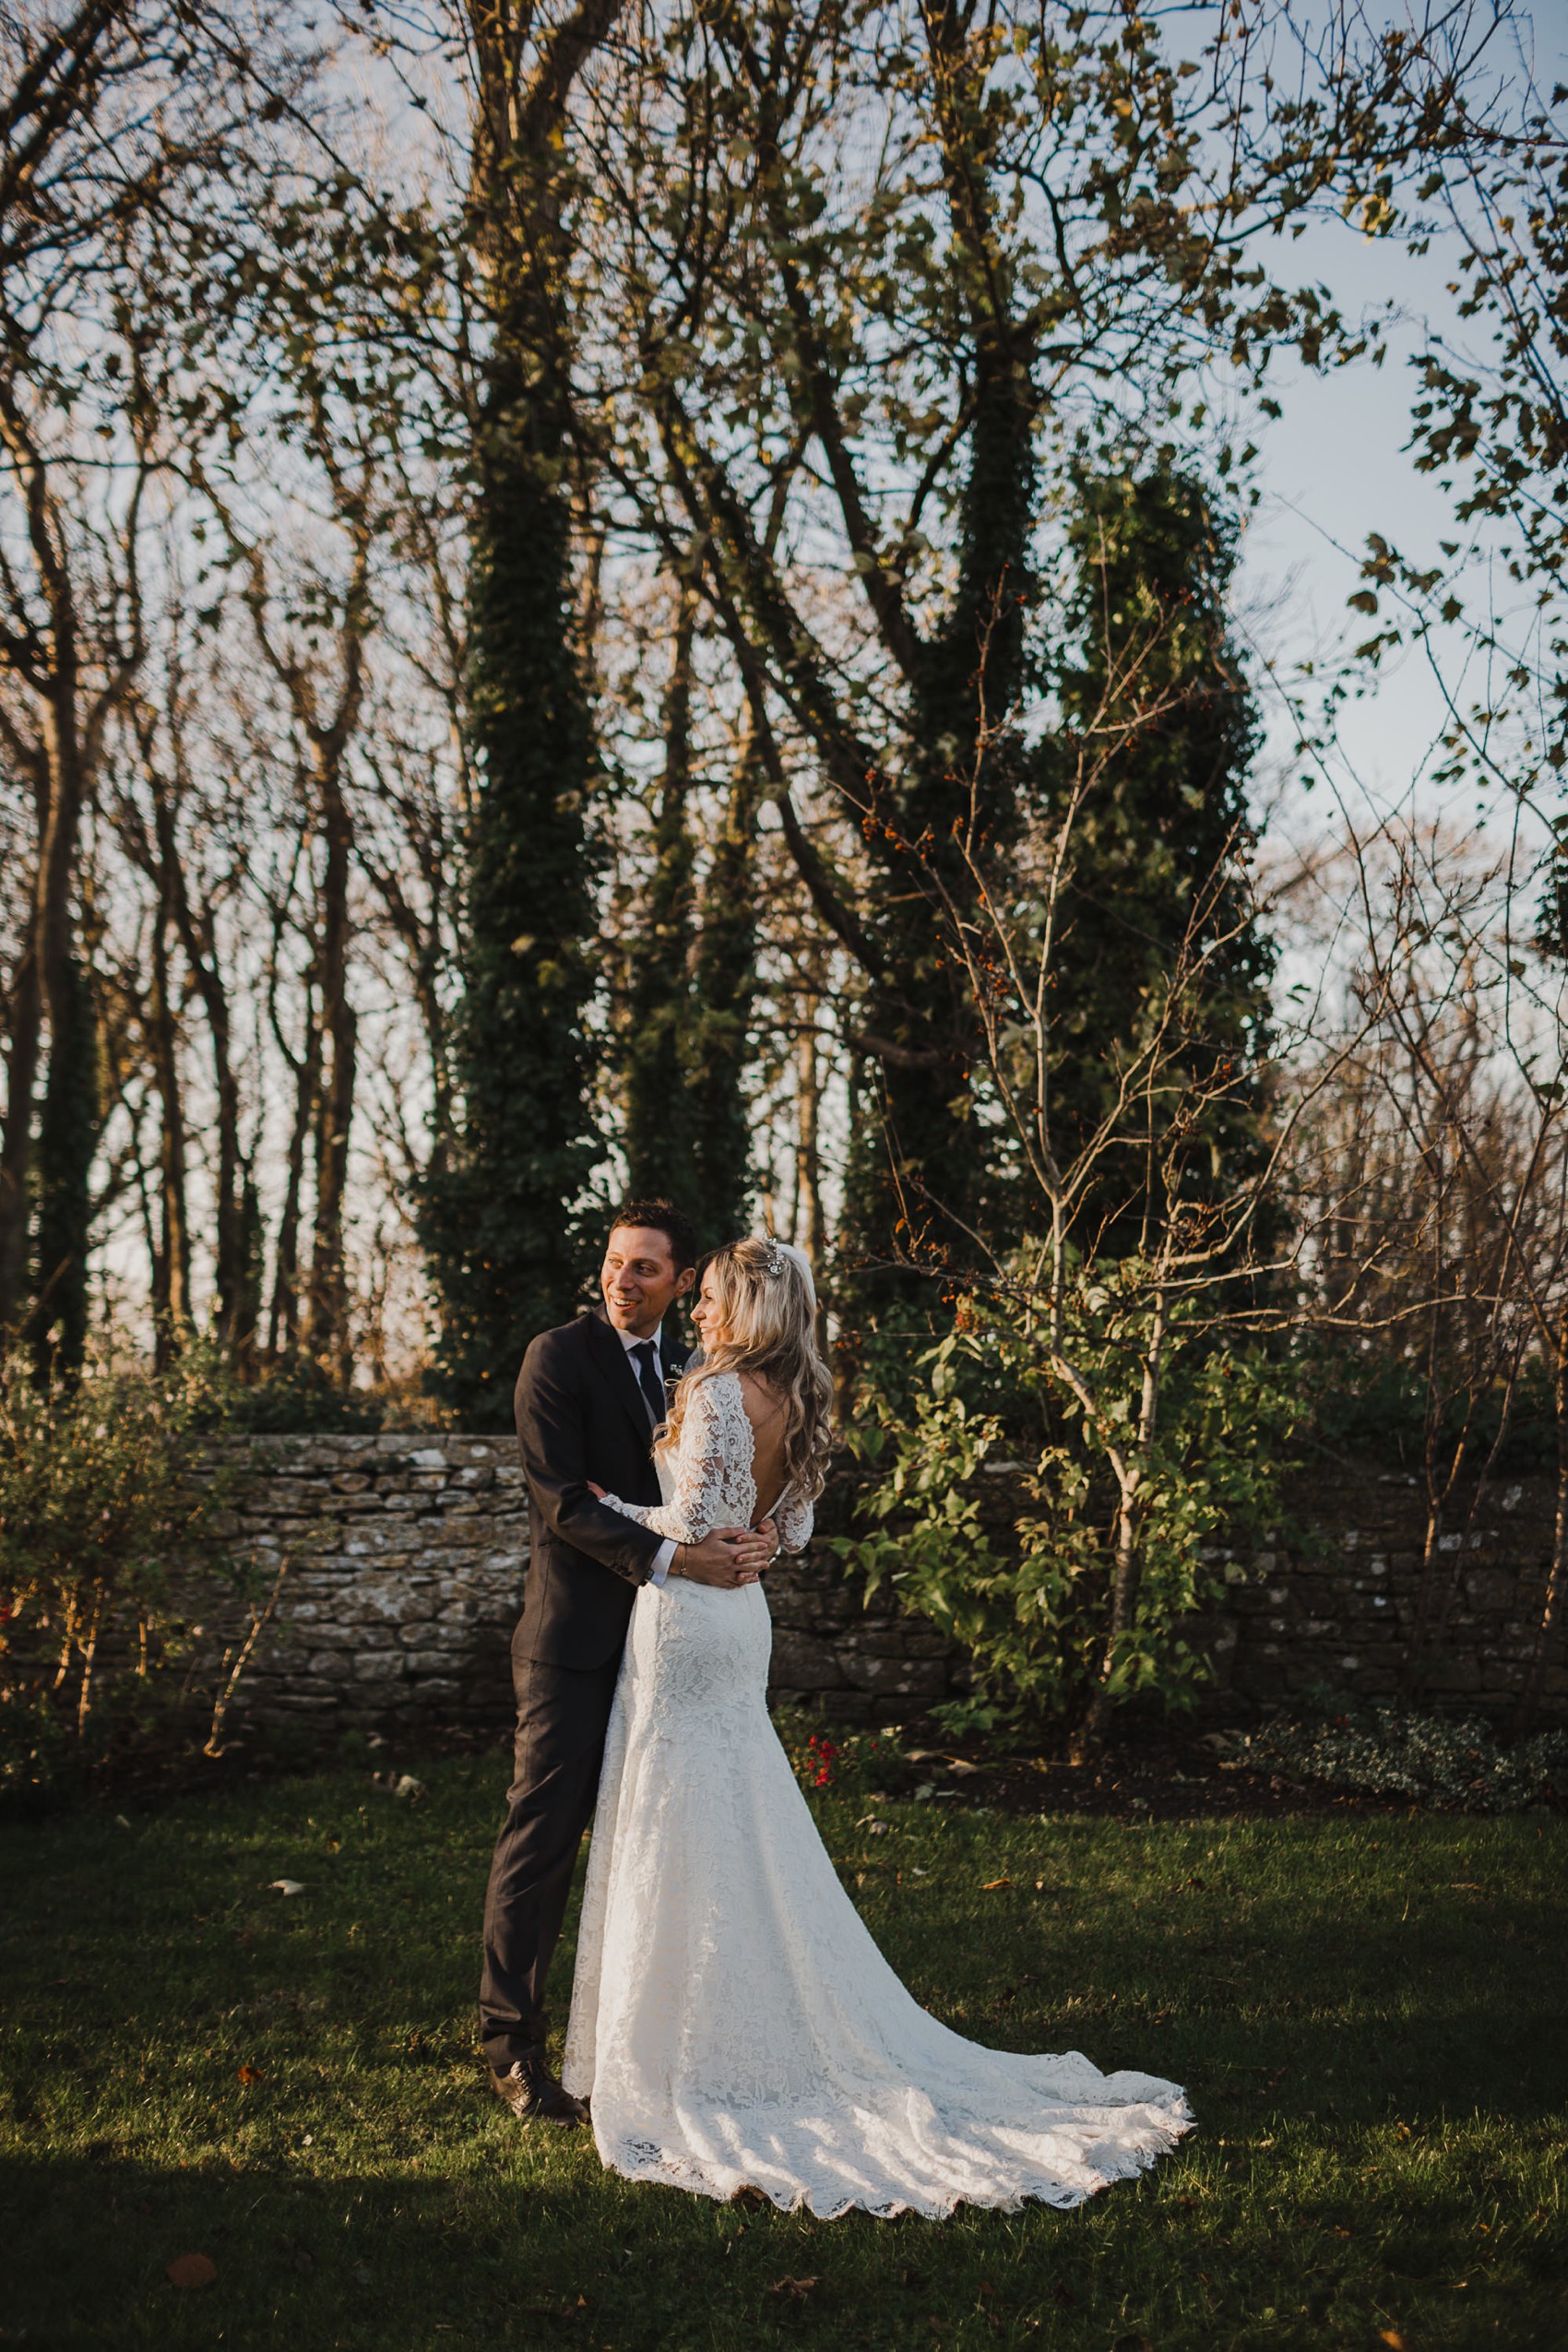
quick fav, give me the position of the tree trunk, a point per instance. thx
(284, 1326)
(67, 1140)
(234, 1315)
(24, 1054)
(658, 1138)
(501, 1213)
(725, 988)
(1534, 1680)
(327, 1327)
(171, 1267)
(810, 1231)
(1127, 1556)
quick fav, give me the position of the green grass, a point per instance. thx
(1367, 2011)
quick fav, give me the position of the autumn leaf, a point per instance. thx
(1391, 2335)
(192, 2270)
(993, 1883)
(249, 2073)
(796, 2288)
(287, 1885)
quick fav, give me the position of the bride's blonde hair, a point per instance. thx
(767, 1310)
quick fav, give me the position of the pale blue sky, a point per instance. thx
(1336, 467)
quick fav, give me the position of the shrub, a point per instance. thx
(852, 1764)
(1030, 1591)
(107, 1493)
(1454, 1766)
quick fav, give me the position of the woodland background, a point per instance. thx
(615, 597)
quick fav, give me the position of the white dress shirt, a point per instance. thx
(629, 1340)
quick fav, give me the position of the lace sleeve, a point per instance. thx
(644, 1514)
(707, 1449)
(794, 1521)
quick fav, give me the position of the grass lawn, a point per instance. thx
(1367, 2011)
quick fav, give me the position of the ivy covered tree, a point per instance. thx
(725, 987)
(693, 977)
(503, 1206)
(1157, 734)
(68, 1138)
(957, 790)
(657, 1147)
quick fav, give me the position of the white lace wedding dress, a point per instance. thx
(733, 2022)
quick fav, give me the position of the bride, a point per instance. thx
(732, 2023)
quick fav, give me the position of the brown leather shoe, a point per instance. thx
(532, 2093)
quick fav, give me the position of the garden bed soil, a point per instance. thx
(1148, 1772)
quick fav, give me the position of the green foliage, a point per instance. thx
(720, 1048)
(1364, 1400)
(110, 1512)
(1029, 1591)
(502, 1212)
(1156, 875)
(688, 1034)
(288, 1398)
(1433, 1760)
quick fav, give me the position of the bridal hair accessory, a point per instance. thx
(773, 1259)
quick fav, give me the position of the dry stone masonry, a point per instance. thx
(406, 1557)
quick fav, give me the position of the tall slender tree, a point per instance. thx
(1154, 702)
(724, 990)
(503, 1212)
(658, 1142)
(694, 978)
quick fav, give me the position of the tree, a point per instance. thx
(1113, 1345)
(691, 977)
(870, 270)
(1159, 867)
(503, 1214)
(659, 1143)
(115, 115)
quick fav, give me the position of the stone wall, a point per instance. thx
(406, 1558)
(1327, 1611)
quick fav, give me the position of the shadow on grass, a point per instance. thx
(1278, 2231)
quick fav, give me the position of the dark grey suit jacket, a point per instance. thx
(581, 1416)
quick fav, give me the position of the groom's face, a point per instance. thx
(641, 1278)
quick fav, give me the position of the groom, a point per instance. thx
(590, 1397)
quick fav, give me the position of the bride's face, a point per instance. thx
(706, 1316)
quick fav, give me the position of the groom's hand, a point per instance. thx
(727, 1557)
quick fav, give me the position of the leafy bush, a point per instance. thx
(106, 1494)
(1029, 1592)
(292, 1398)
(1454, 1766)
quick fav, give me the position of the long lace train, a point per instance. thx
(732, 2020)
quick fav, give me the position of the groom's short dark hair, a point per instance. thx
(662, 1216)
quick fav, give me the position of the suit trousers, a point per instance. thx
(562, 1716)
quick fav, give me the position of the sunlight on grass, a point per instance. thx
(1366, 2012)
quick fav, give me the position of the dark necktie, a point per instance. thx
(648, 1381)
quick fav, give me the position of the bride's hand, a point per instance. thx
(597, 1493)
